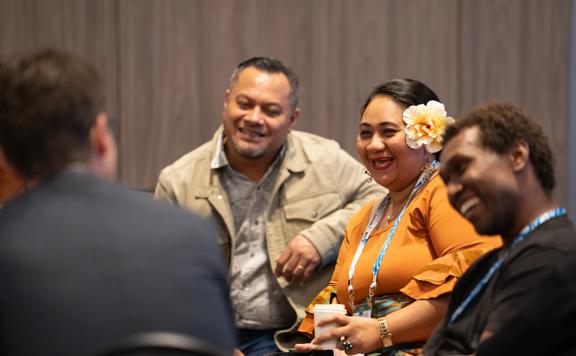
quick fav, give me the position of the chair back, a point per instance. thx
(163, 344)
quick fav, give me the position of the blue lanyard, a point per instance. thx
(375, 221)
(527, 230)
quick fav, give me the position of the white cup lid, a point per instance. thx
(336, 308)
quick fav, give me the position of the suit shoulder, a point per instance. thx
(142, 203)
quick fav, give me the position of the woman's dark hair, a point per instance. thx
(407, 92)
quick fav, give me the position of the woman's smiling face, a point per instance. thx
(381, 145)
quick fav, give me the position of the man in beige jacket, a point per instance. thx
(280, 198)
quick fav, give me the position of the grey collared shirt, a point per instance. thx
(256, 296)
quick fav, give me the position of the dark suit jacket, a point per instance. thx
(84, 262)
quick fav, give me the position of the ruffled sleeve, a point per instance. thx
(453, 240)
(440, 276)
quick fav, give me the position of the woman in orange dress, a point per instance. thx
(402, 254)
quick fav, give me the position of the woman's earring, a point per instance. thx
(427, 167)
(369, 175)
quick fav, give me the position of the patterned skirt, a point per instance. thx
(384, 305)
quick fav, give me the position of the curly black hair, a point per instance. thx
(500, 125)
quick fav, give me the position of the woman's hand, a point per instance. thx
(310, 347)
(363, 334)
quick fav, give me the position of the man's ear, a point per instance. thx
(294, 117)
(519, 155)
(103, 151)
(226, 98)
(100, 136)
(5, 167)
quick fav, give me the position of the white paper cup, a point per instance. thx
(321, 311)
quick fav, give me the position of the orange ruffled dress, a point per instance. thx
(432, 247)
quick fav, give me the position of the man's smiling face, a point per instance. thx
(257, 114)
(481, 183)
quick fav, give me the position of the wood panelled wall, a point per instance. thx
(168, 62)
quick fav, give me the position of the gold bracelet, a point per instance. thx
(385, 334)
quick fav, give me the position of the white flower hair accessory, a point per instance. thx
(425, 125)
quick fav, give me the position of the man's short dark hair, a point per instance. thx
(500, 125)
(272, 66)
(49, 103)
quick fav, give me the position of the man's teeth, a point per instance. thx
(468, 205)
(250, 132)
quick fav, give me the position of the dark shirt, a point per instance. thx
(544, 325)
(524, 272)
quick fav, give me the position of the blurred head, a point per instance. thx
(381, 141)
(485, 163)
(260, 108)
(53, 115)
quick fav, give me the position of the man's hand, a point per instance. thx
(298, 261)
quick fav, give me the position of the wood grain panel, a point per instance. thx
(84, 27)
(181, 53)
(519, 51)
(168, 62)
(357, 45)
(159, 91)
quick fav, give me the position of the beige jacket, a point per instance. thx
(318, 187)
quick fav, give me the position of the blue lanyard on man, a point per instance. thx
(526, 231)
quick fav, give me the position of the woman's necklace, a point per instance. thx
(389, 215)
(392, 215)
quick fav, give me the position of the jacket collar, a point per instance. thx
(294, 162)
(294, 159)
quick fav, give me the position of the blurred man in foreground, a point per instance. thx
(85, 263)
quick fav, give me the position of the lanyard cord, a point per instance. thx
(375, 221)
(527, 230)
